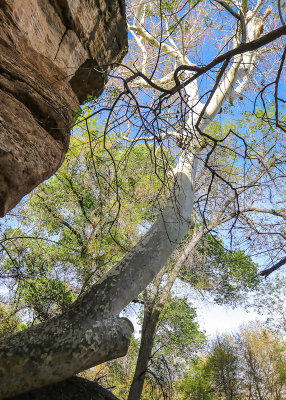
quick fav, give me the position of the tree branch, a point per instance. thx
(269, 271)
(62, 221)
(58, 349)
(242, 48)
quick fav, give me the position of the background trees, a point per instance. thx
(172, 93)
(270, 302)
(68, 235)
(70, 231)
(247, 365)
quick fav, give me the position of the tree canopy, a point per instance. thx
(176, 171)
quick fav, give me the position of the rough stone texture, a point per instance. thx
(53, 53)
(72, 389)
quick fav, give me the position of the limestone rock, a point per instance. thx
(53, 53)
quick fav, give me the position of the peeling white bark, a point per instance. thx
(85, 335)
(70, 343)
(89, 333)
(137, 269)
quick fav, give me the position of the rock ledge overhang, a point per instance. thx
(53, 53)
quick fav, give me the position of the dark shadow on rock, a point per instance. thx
(75, 388)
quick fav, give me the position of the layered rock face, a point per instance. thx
(53, 53)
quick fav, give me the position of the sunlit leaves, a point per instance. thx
(225, 276)
(80, 222)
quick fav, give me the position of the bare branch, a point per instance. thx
(276, 266)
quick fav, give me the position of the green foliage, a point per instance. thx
(46, 296)
(247, 365)
(9, 321)
(223, 367)
(226, 276)
(270, 302)
(119, 372)
(262, 361)
(177, 339)
(80, 222)
(197, 383)
(178, 329)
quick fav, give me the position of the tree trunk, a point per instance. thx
(58, 349)
(147, 339)
(89, 333)
(152, 312)
(138, 268)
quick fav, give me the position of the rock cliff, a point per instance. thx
(53, 53)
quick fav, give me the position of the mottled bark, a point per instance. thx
(69, 343)
(138, 268)
(85, 335)
(58, 349)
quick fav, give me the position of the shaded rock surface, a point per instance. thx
(53, 54)
(75, 388)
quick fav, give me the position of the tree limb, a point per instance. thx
(269, 271)
(58, 349)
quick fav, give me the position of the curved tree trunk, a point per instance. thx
(89, 332)
(58, 349)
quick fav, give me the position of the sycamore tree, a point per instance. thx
(67, 237)
(189, 61)
(221, 275)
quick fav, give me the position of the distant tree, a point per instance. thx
(197, 382)
(262, 363)
(249, 364)
(270, 302)
(223, 366)
(9, 322)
